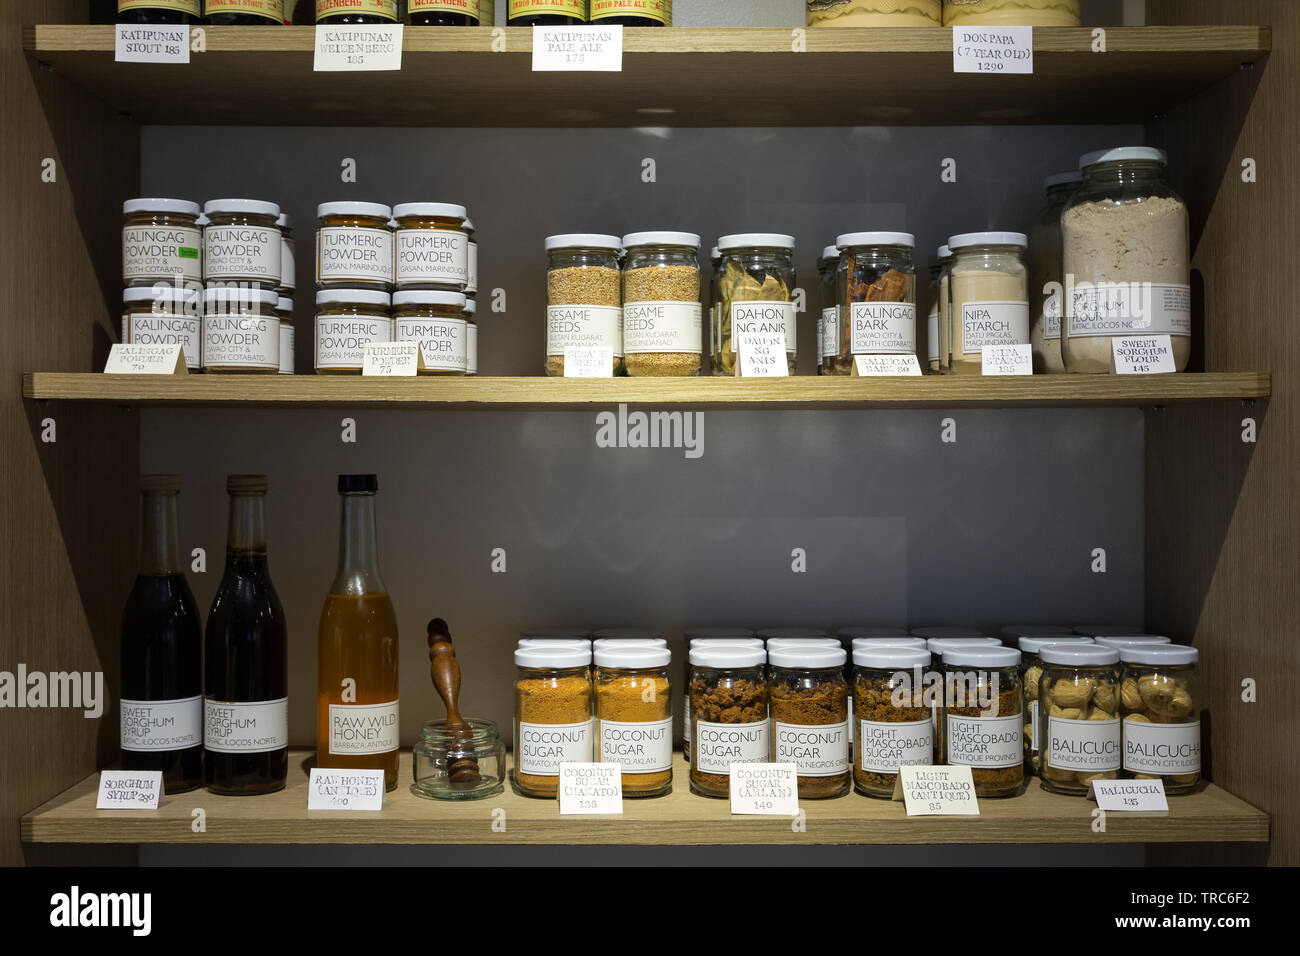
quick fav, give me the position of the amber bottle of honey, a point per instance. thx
(356, 677)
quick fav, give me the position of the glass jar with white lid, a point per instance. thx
(989, 292)
(809, 705)
(164, 315)
(634, 720)
(584, 298)
(1160, 703)
(431, 246)
(876, 288)
(161, 242)
(1079, 724)
(727, 713)
(241, 243)
(553, 713)
(1031, 670)
(982, 719)
(354, 246)
(894, 726)
(755, 293)
(434, 318)
(663, 332)
(709, 637)
(241, 331)
(347, 320)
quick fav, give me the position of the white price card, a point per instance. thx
(129, 790)
(392, 359)
(152, 44)
(363, 48)
(1130, 795)
(345, 789)
(936, 791)
(993, 49)
(589, 362)
(145, 360)
(876, 365)
(591, 788)
(769, 789)
(762, 355)
(1142, 354)
(595, 49)
(1007, 359)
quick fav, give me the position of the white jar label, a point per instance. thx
(153, 725)
(883, 747)
(433, 256)
(242, 252)
(245, 727)
(442, 341)
(1090, 746)
(162, 252)
(641, 747)
(1162, 748)
(348, 254)
(985, 742)
(718, 746)
(1033, 725)
(993, 323)
(686, 723)
(830, 332)
(1124, 308)
(818, 750)
(150, 328)
(1052, 316)
(762, 318)
(472, 285)
(286, 349)
(241, 341)
(363, 728)
(541, 748)
(471, 349)
(341, 340)
(932, 335)
(584, 327)
(288, 264)
(883, 328)
(662, 327)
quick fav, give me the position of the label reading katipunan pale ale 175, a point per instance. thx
(818, 750)
(152, 725)
(363, 728)
(541, 748)
(249, 727)
(718, 746)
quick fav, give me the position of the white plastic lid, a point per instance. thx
(1033, 643)
(809, 655)
(831, 252)
(1136, 640)
(624, 633)
(785, 633)
(870, 630)
(284, 222)
(629, 642)
(712, 655)
(169, 293)
(779, 643)
(981, 655)
(1061, 179)
(225, 295)
(692, 633)
(359, 296)
(715, 253)
(1167, 654)
(968, 239)
(253, 207)
(1123, 153)
(631, 656)
(947, 632)
(577, 642)
(689, 239)
(1109, 630)
(284, 304)
(430, 297)
(725, 642)
(375, 209)
(1014, 631)
(944, 252)
(914, 642)
(561, 655)
(1082, 655)
(583, 240)
(181, 206)
(439, 210)
(204, 220)
(470, 307)
(941, 645)
(469, 224)
(892, 658)
(579, 632)
(876, 239)
(756, 240)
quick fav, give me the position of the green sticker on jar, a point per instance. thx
(187, 252)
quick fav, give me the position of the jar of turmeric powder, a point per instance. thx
(354, 246)
(436, 320)
(728, 714)
(810, 716)
(982, 720)
(553, 722)
(894, 728)
(432, 246)
(634, 719)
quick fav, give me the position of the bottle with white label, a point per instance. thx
(828, 328)
(894, 728)
(1079, 734)
(981, 721)
(162, 650)
(809, 700)
(1160, 704)
(989, 296)
(246, 668)
(161, 242)
(347, 320)
(553, 712)
(755, 293)
(728, 712)
(354, 246)
(165, 315)
(634, 717)
(241, 244)
(876, 287)
(241, 330)
(431, 246)
(436, 320)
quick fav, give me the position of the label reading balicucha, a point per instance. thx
(1089, 746)
(640, 747)
(249, 727)
(718, 746)
(153, 725)
(357, 729)
(162, 252)
(541, 748)
(818, 750)
(347, 254)
(1162, 748)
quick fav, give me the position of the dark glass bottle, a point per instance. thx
(598, 16)
(577, 18)
(272, 15)
(246, 704)
(378, 11)
(431, 13)
(160, 12)
(302, 13)
(162, 650)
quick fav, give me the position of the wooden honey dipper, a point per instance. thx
(444, 670)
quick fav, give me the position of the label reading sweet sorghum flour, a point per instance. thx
(1126, 308)
(718, 746)
(818, 750)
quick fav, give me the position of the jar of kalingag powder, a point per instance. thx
(241, 244)
(584, 304)
(354, 246)
(989, 288)
(662, 330)
(164, 315)
(553, 714)
(347, 320)
(241, 332)
(435, 319)
(161, 242)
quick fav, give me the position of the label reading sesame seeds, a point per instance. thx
(584, 326)
(718, 746)
(341, 340)
(887, 328)
(161, 252)
(432, 257)
(883, 747)
(442, 341)
(347, 254)
(541, 748)
(152, 328)
(818, 750)
(662, 327)
(589, 363)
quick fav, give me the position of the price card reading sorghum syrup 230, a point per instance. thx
(345, 790)
(993, 49)
(597, 49)
(589, 788)
(129, 790)
(937, 791)
(770, 789)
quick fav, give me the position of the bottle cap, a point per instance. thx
(357, 296)
(634, 656)
(890, 658)
(1033, 643)
(1081, 655)
(246, 484)
(688, 239)
(558, 655)
(433, 210)
(756, 240)
(851, 239)
(180, 206)
(969, 239)
(806, 656)
(727, 657)
(429, 297)
(161, 484)
(980, 655)
(358, 484)
(1170, 655)
(251, 207)
(373, 210)
(583, 240)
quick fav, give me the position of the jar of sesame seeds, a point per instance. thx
(662, 328)
(584, 305)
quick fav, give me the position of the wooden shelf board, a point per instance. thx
(700, 77)
(539, 392)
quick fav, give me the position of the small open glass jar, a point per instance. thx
(634, 718)
(443, 13)
(432, 246)
(436, 320)
(728, 714)
(809, 700)
(1031, 671)
(989, 290)
(354, 246)
(1160, 703)
(161, 242)
(438, 749)
(164, 315)
(550, 13)
(894, 727)
(633, 13)
(663, 333)
(553, 713)
(754, 294)
(241, 332)
(876, 295)
(241, 244)
(584, 298)
(284, 311)
(1079, 734)
(828, 329)
(982, 719)
(347, 320)
(346, 12)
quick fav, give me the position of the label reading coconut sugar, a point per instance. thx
(932, 335)
(541, 748)
(830, 332)
(245, 727)
(241, 341)
(718, 746)
(818, 750)
(1162, 748)
(1129, 307)
(993, 323)
(151, 725)
(640, 747)
(160, 252)
(345, 254)
(442, 341)
(432, 257)
(341, 340)
(363, 728)
(129, 790)
(286, 349)
(241, 252)
(1091, 746)
(883, 747)
(989, 743)
(662, 327)
(763, 318)
(151, 328)
(882, 328)
(584, 326)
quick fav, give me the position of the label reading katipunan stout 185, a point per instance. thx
(1086, 745)
(541, 748)
(1125, 308)
(718, 746)
(241, 341)
(151, 328)
(985, 742)
(661, 327)
(442, 341)
(150, 725)
(363, 728)
(584, 327)
(818, 750)
(993, 323)
(749, 318)
(640, 747)
(159, 252)
(884, 747)
(433, 256)
(341, 340)
(241, 252)
(883, 328)
(250, 727)
(1162, 748)
(345, 254)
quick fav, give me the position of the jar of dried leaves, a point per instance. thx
(754, 295)
(877, 288)
(728, 715)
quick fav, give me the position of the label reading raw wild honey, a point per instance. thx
(661, 11)
(180, 6)
(442, 342)
(270, 9)
(379, 8)
(363, 728)
(341, 340)
(347, 254)
(530, 8)
(161, 252)
(151, 725)
(541, 748)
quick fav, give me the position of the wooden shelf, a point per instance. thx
(681, 818)
(525, 392)
(671, 77)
